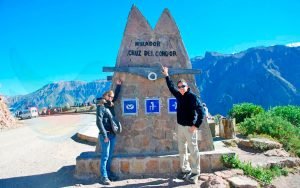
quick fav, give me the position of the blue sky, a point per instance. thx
(45, 41)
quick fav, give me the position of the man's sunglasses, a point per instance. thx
(182, 86)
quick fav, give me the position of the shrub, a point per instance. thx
(244, 110)
(275, 126)
(264, 175)
(289, 113)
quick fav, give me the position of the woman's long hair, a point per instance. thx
(108, 93)
(101, 102)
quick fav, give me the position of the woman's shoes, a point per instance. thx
(105, 181)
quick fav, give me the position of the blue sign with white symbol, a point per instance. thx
(172, 105)
(152, 106)
(130, 106)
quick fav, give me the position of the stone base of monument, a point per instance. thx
(126, 166)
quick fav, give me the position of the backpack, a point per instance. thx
(115, 123)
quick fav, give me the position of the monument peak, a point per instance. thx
(166, 24)
(137, 23)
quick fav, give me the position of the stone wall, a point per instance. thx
(87, 164)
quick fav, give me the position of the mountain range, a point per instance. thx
(60, 94)
(268, 76)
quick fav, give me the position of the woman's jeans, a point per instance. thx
(106, 154)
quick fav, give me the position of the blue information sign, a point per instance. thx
(172, 105)
(130, 106)
(152, 106)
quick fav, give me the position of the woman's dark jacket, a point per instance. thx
(189, 107)
(103, 121)
(102, 117)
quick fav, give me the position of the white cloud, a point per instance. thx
(295, 44)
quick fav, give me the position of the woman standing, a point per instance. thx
(107, 137)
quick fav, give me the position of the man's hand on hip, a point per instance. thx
(192, 128)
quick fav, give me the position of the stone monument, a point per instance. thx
(145, 50)
(145, 107)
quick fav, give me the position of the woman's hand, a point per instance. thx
(119, 82)
(106, 140)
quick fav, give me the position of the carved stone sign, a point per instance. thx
(142, 107)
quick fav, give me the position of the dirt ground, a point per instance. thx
(42, 153)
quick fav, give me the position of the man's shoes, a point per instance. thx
(104, 181)
(113, 177)
(192, 178)
(183, 175)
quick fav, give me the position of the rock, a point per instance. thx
(269, 186)
(205, 176)
(265, 144)
(262, 144)
(245, 143)
(243, 182)
(277, 152)
(230, 143)
(228, 127)
(6, 119)
(215, 182)
(289, 162)
(229, 173)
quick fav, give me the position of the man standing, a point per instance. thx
(189, 117)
